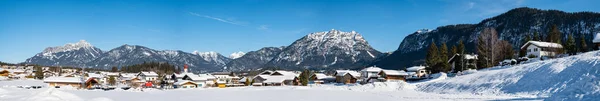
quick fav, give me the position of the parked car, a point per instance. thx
(522, 60)
(508, 62)
(125, 88)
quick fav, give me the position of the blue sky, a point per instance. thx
(227, 26)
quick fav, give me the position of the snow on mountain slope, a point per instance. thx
(213, 57)
(569, 78)
(71, 54)
(236, 55)
(320, 49)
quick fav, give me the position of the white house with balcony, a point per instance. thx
(369, 73)
(541, 49)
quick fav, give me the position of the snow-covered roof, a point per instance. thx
(207, 76)
(372, 69)
(394, 72)
(149, 73)
(221, 73)
(275, 79)
(415, 68)
(196, 77)
(181, 82)
(596, 38)
(111, 74)
(470, 57)
(94, 75)
(130, 75)
(542, 44)
(322, 76)
(344, 72)
(63, 79)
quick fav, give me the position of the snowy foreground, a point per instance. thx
(372, 92)
(569, 78)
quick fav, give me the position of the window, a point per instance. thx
(528, 50)
(535, 49)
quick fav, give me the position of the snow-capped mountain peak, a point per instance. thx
(424, 31)
(236, 55)
(67, 47)
(213, 57)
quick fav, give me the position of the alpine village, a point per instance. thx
(452, 51)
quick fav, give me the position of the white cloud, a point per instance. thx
(218, 19)
(263, 27)
(470, 5)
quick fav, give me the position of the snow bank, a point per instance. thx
(569, 78)
(52, 94)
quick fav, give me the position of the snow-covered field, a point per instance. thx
(390, 91)
(569, 78)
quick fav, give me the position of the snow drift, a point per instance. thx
(568, 78)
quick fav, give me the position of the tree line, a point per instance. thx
(158, 67)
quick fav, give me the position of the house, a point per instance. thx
(148, 76)
(393, 75)
(346, 76)
(221, 83)
(137, 82)
(596, 41)
(74, 82)
(98, 77)
(125, 78)
(541, 49)
(4, 72)
(469, 62)
(65, 70)
(259, 80)
(186, 84)
(417, 73)
(92, 82)
(199, 81)
(320, 78)
(48, 73)
(369, 73)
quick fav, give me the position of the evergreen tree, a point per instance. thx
(582, 44)
(536, 36)
(453, 51)
(112, 80)
(39, 73)
(554, 35)
(443, 57)
(114, 69)
(570, 45)
(432, 55)
(461, 51)
(247, 82)
(304, 77)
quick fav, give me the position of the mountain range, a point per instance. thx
(334, 49)
(320, 50)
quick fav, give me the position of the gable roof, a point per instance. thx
(542, 44)
(394, 72)
(344, 72)
(415, 68)
(181, 82)
(194, 77)
(149, 73)
(596, 38)
(321, 76)
(372, 69)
